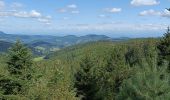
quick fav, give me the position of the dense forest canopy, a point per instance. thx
(135, 69)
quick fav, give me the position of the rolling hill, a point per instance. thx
(45, 44)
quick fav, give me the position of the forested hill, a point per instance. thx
(102, 70)
(67, 40)
(80, 49)
(45, 44)
(136, 69)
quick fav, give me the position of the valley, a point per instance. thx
(44, 44)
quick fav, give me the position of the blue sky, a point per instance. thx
(117, 18)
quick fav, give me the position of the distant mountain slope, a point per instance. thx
(2, 33)
(92, 37)
(4, 46)
(43, 44)
(69, 39)
(78, 50)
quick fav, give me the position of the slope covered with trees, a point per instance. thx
(129, 70)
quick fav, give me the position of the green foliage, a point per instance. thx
(103, 66)
(20, 60)
(164, 48)
(84, 80)
(101, 70)
(110, 76)
(148, 83)
(16, 80)
(52, 81)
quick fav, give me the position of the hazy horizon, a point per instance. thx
(115, 35)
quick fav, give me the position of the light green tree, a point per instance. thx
(148, 83)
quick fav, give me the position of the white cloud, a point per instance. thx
(112, 27)
(72, 6)
(24, 14)
(43, 20)
(11, 10)
(73, 9)
(113, 10)
(34, 13)
(46, 19)
(150, 12)
(144, 2)
(104, 16)
(75, 12)
(65, 18)
(62, 10)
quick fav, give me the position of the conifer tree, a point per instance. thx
(111, 75)
(20, 60)
(164, 48)
(20, 67)
(168, 9)
(84, 80)
(148, 83)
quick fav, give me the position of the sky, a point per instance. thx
(116, 18)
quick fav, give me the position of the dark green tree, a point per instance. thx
(20, 69)
(20, 61)
(111, 74)
(164, 48)
(168, 9)
(134, 56)
(84, 80)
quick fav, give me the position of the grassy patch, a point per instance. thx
(38, 58)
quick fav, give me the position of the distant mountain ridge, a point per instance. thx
(53, 39)
(2, 33)
(48, 43)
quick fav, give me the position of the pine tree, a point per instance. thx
(149, 83)
(19, 67)
(20, 60)
(164, 48)
(168, 9)
(84, 80)
(111, 74)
